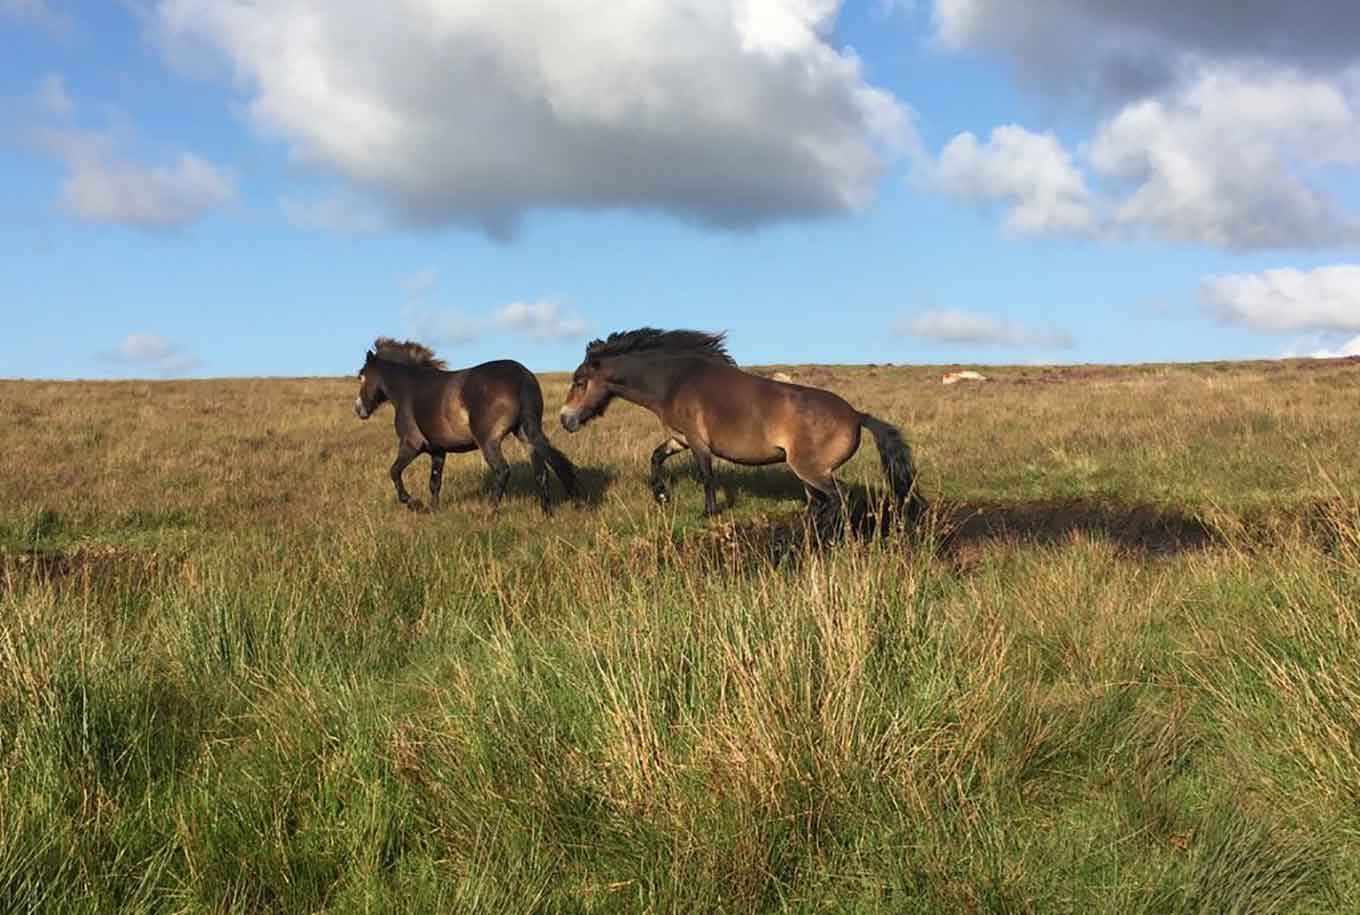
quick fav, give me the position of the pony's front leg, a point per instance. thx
(405, 455)
(659, 454)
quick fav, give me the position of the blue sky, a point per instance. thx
(196, 188)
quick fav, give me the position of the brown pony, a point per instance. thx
(439, 411)
(707, 404)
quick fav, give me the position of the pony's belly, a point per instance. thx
(754, 457)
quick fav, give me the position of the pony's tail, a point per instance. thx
(898, 467)
(531, 427)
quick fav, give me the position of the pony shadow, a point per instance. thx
(593, 483)
(1139, 529)
(955, 531)
(761, 483)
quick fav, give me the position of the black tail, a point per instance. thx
(531, 427)
(898, 466)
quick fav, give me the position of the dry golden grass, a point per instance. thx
(1114, 673)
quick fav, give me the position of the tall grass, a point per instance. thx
(267, 689)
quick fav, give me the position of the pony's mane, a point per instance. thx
(651, 341)
(408, 352)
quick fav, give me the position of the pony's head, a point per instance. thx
(589, 395)
(372, 393)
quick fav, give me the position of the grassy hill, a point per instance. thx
(1116, 671)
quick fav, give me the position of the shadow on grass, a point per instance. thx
(1135, 528)
(952, 530)
(593, 482)
(84, 567)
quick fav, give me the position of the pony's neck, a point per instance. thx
(396, 379)
(645, 381)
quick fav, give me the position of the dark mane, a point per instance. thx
(662, 343)
(408, 352)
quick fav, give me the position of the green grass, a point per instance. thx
(1115, 673)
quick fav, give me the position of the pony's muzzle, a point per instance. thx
(359, 409)
(571, 420)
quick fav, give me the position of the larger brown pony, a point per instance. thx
(439, 411)
(708, 405)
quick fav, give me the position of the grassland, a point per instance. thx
(1118, 671)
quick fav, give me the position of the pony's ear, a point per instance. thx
(370, 356)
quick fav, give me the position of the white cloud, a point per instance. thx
(1031, 172)
(341, 213)
(953, 325)
(1223, 162)
(39, 13)
(1324, 299)
(1346, 348)
(153, 198)
(1114, 50)
(1218, 122)
(442, 326)
(1229, 161)
(1323, 346)
(152, 351)
(733, 113)
(419, 283)
(52, 97)
(542, 321)
(103, 185)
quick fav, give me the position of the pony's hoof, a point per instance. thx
(661, 496)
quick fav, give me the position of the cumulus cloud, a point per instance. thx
(733, 113)
(143, 349)
(1029, 172)
(1223, 163)
(1125, 50)
(1345, 348)
(38, 13)
(542, 321)
(340, 213)
(103, 185)
(152, 198)
(953, 325)
(52, 98)
(1217, 121)
(1324, 299)
(442, 326)
(420, 282)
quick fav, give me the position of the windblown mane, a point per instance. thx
(662, 343)
(407, 351)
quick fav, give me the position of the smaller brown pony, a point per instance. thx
(439, 411)
(708, 405)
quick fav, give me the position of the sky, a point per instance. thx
(204, 188)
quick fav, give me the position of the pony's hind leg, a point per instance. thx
(491, 450)
(825, 498)
(540, 465)
(436, 478)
